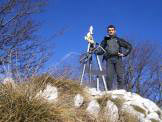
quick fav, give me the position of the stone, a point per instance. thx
(153, 116)
(138, 106)
(111, 112)
(8, 80)
(93, 108)
(128, 114)
(50, 93)
(151, 106)
(78, 100)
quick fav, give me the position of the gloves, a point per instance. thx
(121, 54)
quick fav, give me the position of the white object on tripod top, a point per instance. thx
(89, 36)
(91, 29)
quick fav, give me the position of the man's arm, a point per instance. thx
(125, 45)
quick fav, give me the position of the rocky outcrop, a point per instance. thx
(130, 106)
(116, 106)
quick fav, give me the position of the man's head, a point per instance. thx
(111, 30)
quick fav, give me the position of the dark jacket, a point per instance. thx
(122, 44)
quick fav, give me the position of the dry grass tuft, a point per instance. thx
(62, 83)
(67, 88)
(17, 106)
(103, 100)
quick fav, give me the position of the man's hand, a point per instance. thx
(120, 54)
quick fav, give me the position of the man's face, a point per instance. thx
(111, 31)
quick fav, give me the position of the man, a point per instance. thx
(113, 46)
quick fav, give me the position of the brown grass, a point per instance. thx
(19, 104)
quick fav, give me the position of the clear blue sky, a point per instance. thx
(137, 20)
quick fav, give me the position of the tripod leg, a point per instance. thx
(98, 81)
(82, 75)
(90, 70)
(103, 77)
